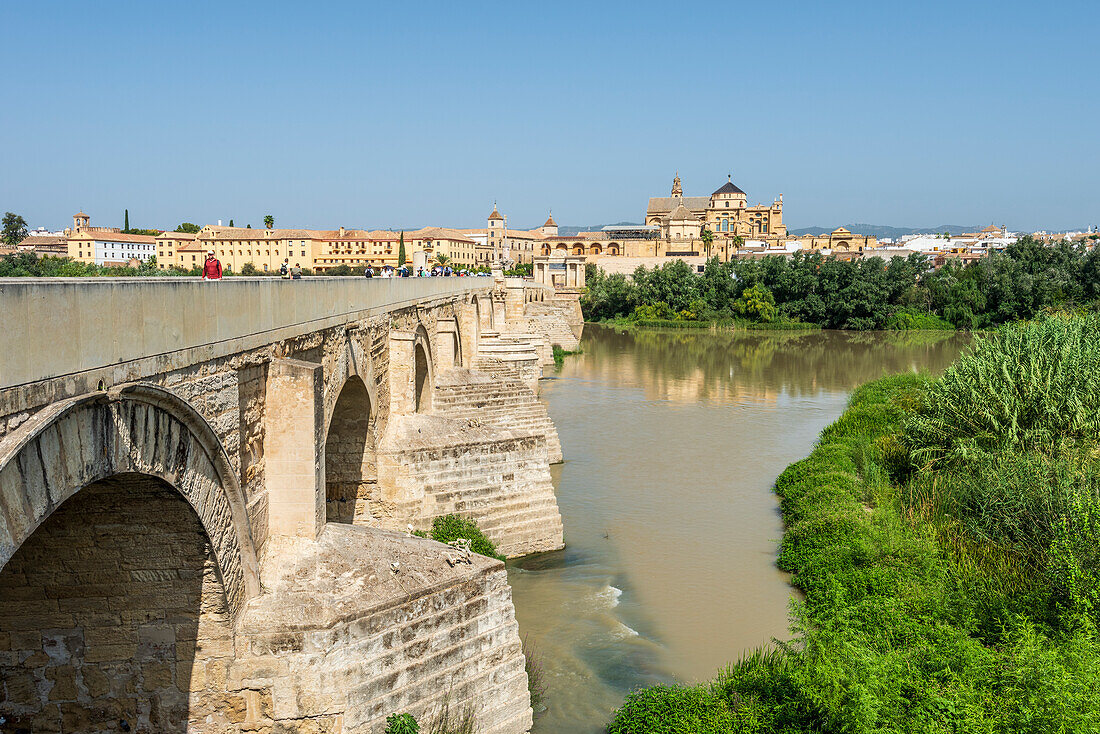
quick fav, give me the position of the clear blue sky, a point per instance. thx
(402, 114)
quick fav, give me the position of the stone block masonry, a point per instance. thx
(388, 639)
(431, 466)
(113, 618)
(192, 519)
(504, 402)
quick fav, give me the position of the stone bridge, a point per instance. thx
(206, 492)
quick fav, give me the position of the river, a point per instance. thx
(672, 442)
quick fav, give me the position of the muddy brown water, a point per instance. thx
(672, 442)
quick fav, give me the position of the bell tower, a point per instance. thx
(677, 189)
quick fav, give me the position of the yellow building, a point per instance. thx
(110, 248)
(495, 239)
(265, 249)
(171, 250)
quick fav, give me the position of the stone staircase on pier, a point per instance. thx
(433, 465)
(512, 355)
(496, 399)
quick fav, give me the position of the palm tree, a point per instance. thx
(269, 222)
(441, 259)
(708, 237)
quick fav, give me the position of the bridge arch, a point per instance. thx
(448, 344)
(423, 371)
(483, 312)
(135, 429)
(351, 461)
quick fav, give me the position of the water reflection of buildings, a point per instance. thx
(754, 367)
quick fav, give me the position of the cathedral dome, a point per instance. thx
(728, 188)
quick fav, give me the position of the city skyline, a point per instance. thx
(367, 116)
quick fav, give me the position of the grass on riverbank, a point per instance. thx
(955, 597)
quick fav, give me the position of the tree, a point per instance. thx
(15, 229)
(757, 303)
(250, 226)
(441, 259)
(708, 238)
(269, 222)
(401, 251)
(188, 228)
(126, 221)
(230, 222)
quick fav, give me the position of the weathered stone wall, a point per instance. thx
(553, 321)
(400, 630)
(500, 401)
(114, 615)
(431, 466)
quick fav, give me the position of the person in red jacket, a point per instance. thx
(211, 269)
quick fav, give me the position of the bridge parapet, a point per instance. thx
(89, 323)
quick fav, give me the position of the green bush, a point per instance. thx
(401, 724)
(1029, 385)
(907, 319)
(452, 527)
(673, 710)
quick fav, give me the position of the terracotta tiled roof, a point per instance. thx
(177, 236)
(440, 233)
(658, 204)
(550, 222)
(243, 233)
(114, 237)
(681, 213)
(41, 241)
(495, 215)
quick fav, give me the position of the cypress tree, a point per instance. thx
(401, 251)
(126, 226)
(230, 222)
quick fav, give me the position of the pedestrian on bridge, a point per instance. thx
(211, 269)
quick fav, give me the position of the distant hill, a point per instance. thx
(882, 230)
(570, 230)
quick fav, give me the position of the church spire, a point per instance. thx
(677, 190)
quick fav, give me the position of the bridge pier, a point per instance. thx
(294, 449)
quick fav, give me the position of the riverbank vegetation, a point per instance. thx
(946, 533)
(867, 293)
(560, 355)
